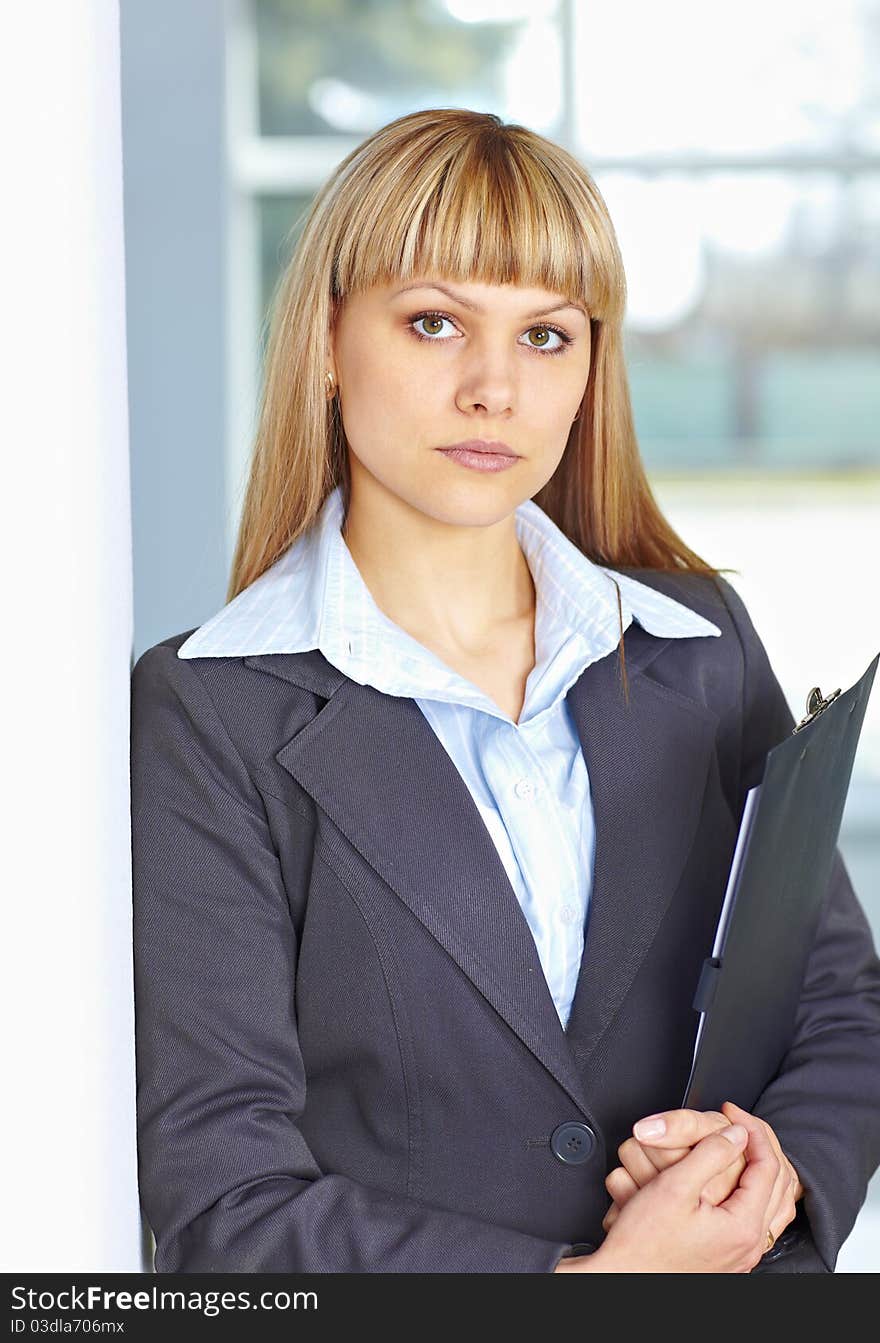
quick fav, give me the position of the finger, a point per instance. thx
(610, 1217)
(709, 1157)
(620, 1185)
(722, 1186)
(739, 1115)
(736, 1115)
(644, 1164)
(680, 1128)
(635, 1155)
(785, 1216)
(751, 1199)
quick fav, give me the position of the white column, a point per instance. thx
(67, 1129)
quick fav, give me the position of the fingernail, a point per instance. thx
(652, 1127)
(734, 1132)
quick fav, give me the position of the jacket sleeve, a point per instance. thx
(227, 1182)
(824, 1103)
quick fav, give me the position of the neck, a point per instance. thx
(461, 587)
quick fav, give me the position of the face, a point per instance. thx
(420, 366)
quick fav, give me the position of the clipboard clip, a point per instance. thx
(816, 703)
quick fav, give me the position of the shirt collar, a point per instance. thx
(313, 597)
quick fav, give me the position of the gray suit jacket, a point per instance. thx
(348, 1057)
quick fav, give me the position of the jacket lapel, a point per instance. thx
(648, 765)
(374, 765)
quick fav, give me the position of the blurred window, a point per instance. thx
(738, 153)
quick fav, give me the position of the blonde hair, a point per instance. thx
(453, 193)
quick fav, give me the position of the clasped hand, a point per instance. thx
(646, 1153)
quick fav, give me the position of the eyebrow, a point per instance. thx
(476, 307)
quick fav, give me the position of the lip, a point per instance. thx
(493, 447)
(480, 459)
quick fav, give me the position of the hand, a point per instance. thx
(643, 1158)
(667, 1226)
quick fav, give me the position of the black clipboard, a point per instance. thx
(750, 985)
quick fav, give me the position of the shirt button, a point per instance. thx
(568, 913)
(524, 788)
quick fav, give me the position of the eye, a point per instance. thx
(548, 332)
(436, 320)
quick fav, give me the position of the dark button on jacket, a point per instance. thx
(573, 1142)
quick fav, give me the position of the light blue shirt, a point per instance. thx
(528, 779)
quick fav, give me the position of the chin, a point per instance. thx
(482, 503)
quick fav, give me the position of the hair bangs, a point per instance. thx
(490, 208)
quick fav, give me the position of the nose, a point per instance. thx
(487, 381)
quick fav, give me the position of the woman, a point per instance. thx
(424, 874)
